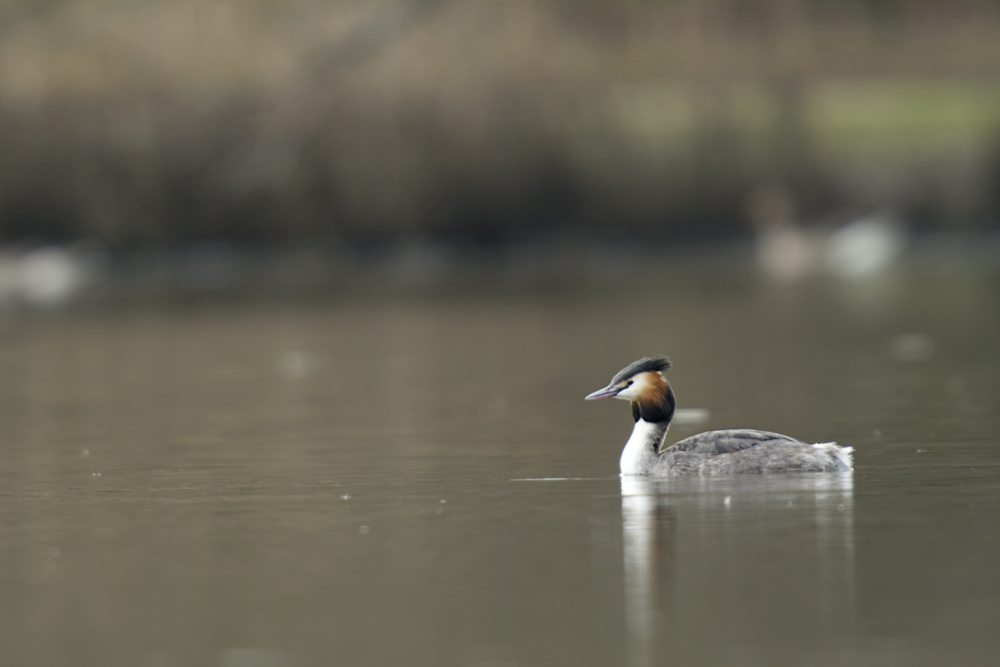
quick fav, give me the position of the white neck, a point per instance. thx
(640, 450)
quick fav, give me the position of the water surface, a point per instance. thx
(417, 480)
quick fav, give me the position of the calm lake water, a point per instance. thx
(417, 480)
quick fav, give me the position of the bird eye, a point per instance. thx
(629, 383)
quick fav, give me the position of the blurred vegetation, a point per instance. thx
(145, 124)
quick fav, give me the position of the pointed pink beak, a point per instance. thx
(607, 392)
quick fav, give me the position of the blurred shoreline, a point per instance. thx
(57, 278)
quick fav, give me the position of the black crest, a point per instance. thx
(644, 365)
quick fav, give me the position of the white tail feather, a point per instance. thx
(844, 456)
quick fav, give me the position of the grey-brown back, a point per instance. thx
(743, 451)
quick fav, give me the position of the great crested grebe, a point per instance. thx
(741, 450)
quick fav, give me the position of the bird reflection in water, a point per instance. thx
(745, 553)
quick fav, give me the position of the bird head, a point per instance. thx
(644, 385)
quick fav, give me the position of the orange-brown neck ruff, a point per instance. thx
(655, 402)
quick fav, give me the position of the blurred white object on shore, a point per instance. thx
(784, 251)
(44, 277)
(864, 246)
